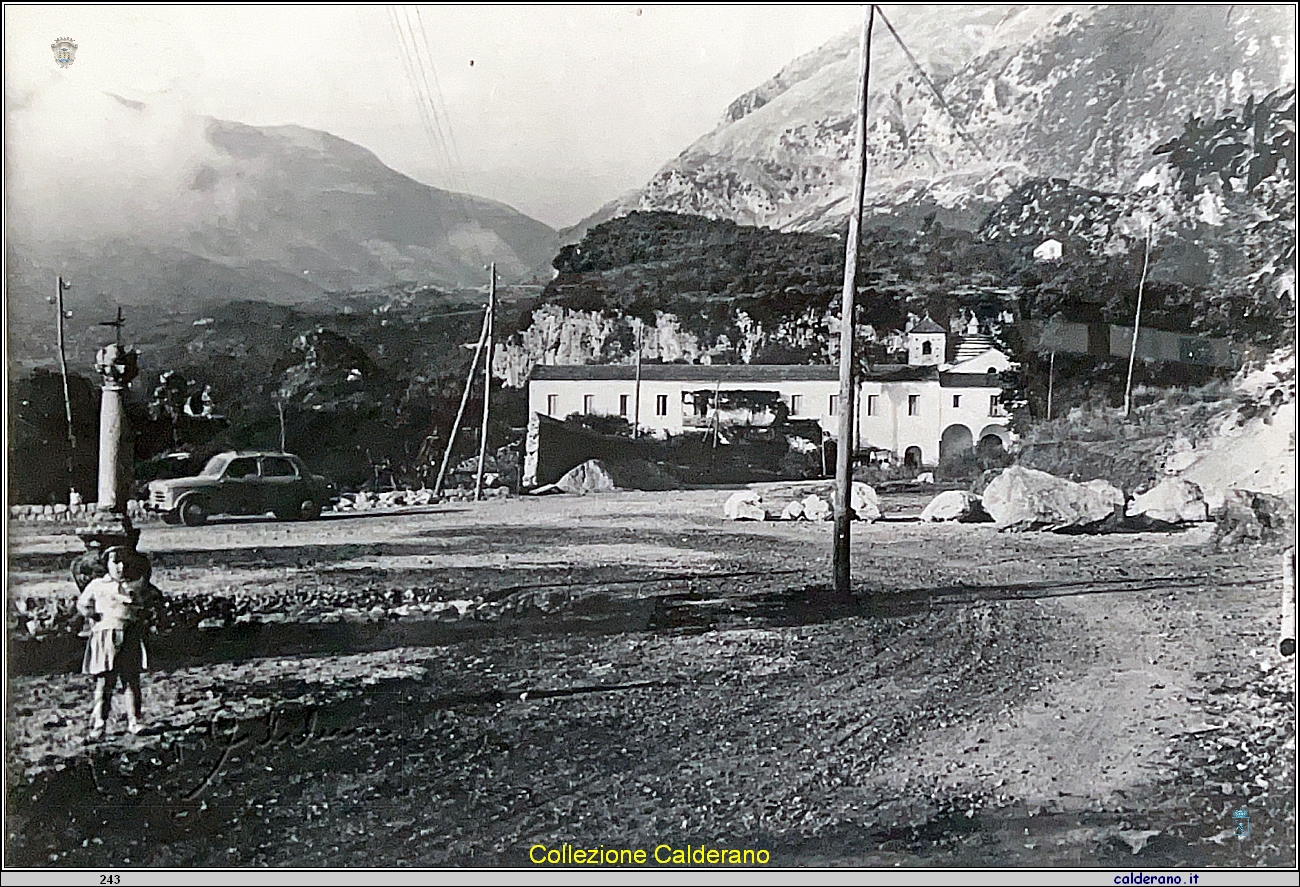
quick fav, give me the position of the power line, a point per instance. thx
(961, 131)
(442, 104)
(415, 69)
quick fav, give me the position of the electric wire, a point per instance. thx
(441, 121)
(961, 130)
(414, 67)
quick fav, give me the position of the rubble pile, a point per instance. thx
(1251, 518)
(816, 506)
(390, 499)
(37, 618)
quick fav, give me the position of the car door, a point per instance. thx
(281, 486)
(237, 489)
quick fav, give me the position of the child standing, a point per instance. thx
(122, 606)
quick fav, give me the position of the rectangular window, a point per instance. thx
(552, 404)
(661, 404)
(588, 404)
(622, 404)
(995, 404)
(956, 401)
(873, 404)
(914, 405)
(832, 403)
(796, 404)
(273, 466)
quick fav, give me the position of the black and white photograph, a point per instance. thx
(652, 441)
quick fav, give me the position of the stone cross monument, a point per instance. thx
(110, 525)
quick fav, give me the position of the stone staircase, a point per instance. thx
(972, 346)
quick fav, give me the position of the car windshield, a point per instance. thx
(216, 465)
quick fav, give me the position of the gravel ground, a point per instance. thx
(452, 685)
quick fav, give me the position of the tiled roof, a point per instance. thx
(692, 372)
(970, 380)
(928, 326)
(744, 373)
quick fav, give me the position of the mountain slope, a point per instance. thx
(278, 213)
(1081, 93)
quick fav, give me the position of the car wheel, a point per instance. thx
(192, 512)
(309, 510)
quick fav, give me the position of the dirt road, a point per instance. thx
(457, 685)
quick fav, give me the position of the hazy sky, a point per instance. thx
(552, 109)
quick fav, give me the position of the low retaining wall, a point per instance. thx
(67, 513)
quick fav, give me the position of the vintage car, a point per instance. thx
(243, 483)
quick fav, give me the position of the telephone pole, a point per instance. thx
(844, 446)
(63, 370)
(1137, 322)
(636, 397)
(460, 412)
(487, 383)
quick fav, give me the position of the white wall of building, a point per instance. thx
(916, 348)
(896, 423)
(815, 399)
(894, 427)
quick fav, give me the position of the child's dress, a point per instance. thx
(116, 642)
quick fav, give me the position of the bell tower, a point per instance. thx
(926, 343)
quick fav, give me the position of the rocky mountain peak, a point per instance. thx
(1078, 93)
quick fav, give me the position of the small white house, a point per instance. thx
(1048, 251)
(921, 411)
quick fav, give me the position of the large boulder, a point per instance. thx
(589, 477)
(1027, 499)
(1113, 494)
(1170, 503)
(955, 505)
(864, 501)
(1249, 518)
(745, 505)
(815, 508)
(793, 511)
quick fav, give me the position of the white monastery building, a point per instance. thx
(919, 412)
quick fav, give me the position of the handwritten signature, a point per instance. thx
(272, 729)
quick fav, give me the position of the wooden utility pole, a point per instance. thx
(717, 411)
(464, 399)
(1051, 378)
(63, 370)
(636, 397)
(844, 446)
(1137, 322)
(487, 383)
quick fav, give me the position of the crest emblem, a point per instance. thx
(65, 51)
